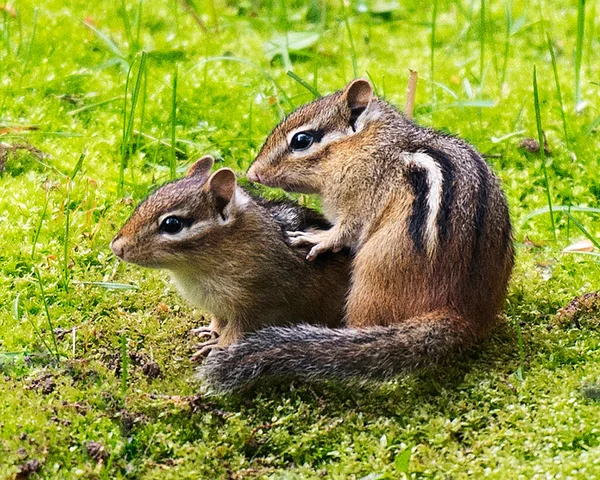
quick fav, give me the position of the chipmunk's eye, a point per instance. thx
(302, 141)
(171, 225)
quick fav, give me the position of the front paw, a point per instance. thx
(299, 239)
(205, 349)
(204, 332)
(318, 249)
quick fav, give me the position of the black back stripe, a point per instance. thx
(447, 168)
(483, 194)
(417, 177)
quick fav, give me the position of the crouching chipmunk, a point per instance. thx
(228, 254)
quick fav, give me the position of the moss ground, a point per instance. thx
(122, 401)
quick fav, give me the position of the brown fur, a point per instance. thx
(362, 172)
(238, 265)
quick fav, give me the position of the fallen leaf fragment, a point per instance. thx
(581, 246)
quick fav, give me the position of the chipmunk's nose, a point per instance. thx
(118, 246)
(252, 175)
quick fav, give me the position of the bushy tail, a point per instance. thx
(307, 352)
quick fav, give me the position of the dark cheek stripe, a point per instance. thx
(417, 178)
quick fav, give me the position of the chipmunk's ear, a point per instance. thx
(357, 95)
(201, 168)
(222, 184)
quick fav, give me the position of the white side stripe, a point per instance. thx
(434, 196)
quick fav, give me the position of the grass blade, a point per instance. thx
(521, 369)
(16, 311)
(173, 157)
(481, 46)
(540, 132)
(559, 208)
(580, 226)
(29, 44)
(39, 226)
(124, 365)
(93, 105)
(509, 21)
(66, 273)
(306, 85)
(55, 354)
(432, 59)
(112, 46)
(190, 9)
(579, 50)
(352, 49)
(129, 120)
(558, 92)
(110, 285)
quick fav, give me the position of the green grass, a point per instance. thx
(112, 126)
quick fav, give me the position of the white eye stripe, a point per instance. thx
(304, 128)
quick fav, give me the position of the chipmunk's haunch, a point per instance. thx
(430, 230)
(228, 255)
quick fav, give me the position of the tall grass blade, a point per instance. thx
(126, 23)
(91, 106)
(173, 157)
(351, 40)
(29, 45)
(190, 9)
(16, 311)
(124, 366)
(128, 120)
(213, 14)
(17, 317)
(506, 53)
(481, 46)
(56, 353)
(112, 46)
(138, 20)
(583, 230)
(66, 273)
(540, 132)
(579, 50)
(558, 92)
(306, 85)
(521, 369)
(432, 59)
(559, 208)
(39, 226)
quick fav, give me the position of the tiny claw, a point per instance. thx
(300, 241)
(204, 332)
(205, 349)
(201, 332)
(314, 252)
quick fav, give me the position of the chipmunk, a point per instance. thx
(431, 235)
(228, 255)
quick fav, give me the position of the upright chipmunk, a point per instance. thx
(228, 255)
(429, 226)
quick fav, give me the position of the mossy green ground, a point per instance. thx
(500, 412)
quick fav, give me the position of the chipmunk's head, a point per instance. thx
(297, 151)
(181, 219)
